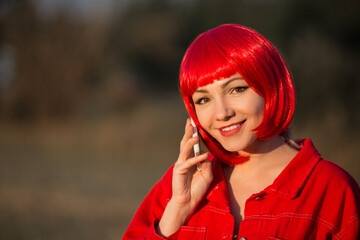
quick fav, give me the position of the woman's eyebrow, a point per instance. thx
(222, 86)
(201, 91)
(231, 80)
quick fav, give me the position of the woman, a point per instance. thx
(256, 182)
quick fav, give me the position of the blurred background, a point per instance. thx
(91, 116)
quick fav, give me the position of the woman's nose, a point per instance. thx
(224, 111)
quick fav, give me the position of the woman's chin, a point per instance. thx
(235, 149)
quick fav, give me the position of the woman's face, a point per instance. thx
(229, 110)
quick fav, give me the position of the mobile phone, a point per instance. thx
(196, 133)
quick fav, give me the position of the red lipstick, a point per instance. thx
(231, 129)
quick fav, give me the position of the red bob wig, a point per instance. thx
(229, 49)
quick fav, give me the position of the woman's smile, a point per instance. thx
(231, 129)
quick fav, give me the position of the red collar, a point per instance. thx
(292, 179)
(286, 185)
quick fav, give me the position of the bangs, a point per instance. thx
(205, 61)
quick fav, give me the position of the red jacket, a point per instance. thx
(311, 199)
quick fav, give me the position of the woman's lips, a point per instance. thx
(231, 129)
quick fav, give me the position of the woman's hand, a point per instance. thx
(188, 184)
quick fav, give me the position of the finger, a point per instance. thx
(195, 160)
(187, 135)
(204, 165)
(188, 146)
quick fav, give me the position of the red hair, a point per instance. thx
(229, 49)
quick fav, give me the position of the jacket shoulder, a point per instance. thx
(333, 173)
(333, 180)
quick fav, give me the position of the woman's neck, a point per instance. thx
(266, 158)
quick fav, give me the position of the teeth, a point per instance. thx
(230, 128)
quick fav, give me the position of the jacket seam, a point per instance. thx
(340, 234)
(295, 215)
(218, 210)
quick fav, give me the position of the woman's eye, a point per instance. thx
(238, 89)
(202, 101)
